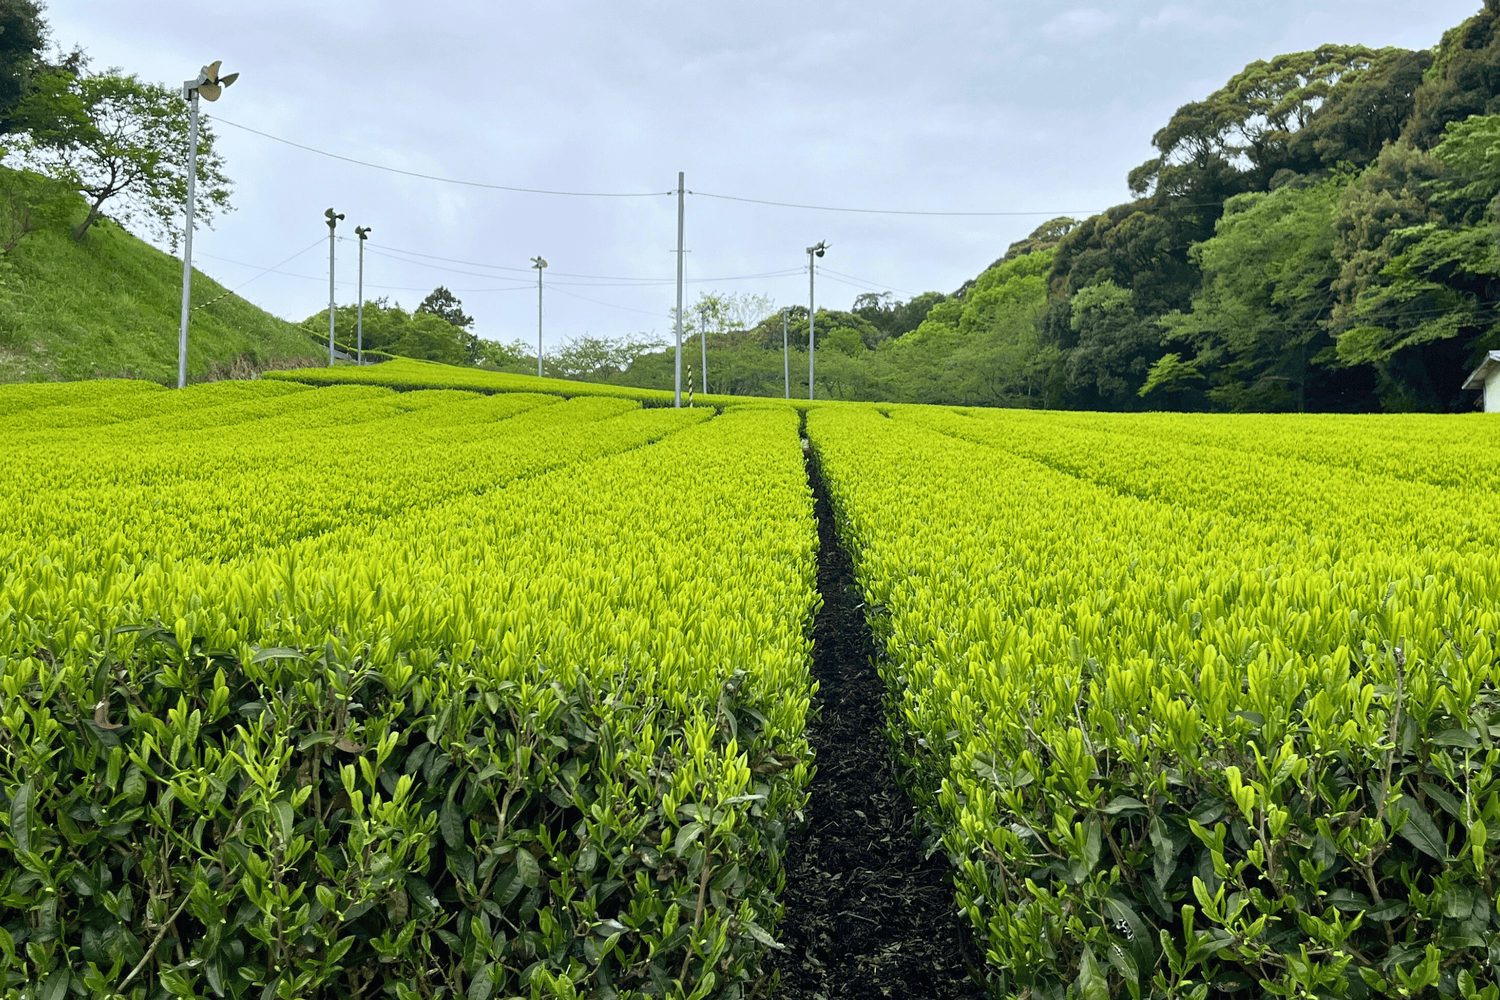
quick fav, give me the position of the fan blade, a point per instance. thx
(210, 91)
(228, 79)
(212, 70)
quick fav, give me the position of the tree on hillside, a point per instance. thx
(1464, 80)
(446, 306)
(1259, 323)
(596, 359)
(723, 312)
(891, 316)
(1241, 134)
(441, 302)
(23, 33)
(113, 136)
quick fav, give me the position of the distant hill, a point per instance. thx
(109, 305)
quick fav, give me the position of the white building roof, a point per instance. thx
(1483, 372)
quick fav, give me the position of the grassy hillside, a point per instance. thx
(109, 305)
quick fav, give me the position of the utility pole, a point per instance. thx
(538, 263)
(210, 85)
(677, 392)
(363, 232)
(813, 251)
(786, 355)
(333, 221)
(703, 343)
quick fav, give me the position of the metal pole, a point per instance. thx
(539, 322)
(677, 392)
(333, 221)
(187, 239)
(703, 343)
(786, 356)
(810, 308)
(359, 309)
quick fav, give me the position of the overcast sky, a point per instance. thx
(957, 106)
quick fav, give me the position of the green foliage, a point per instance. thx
(443, 303)
(596, 359)
(1232, 729)
(1419, 271)
(1464, 79)
(1257, 323)
(1252, 120)
(980, 347)
(290, 755)
(114, 137)
(390, 329)
(23, 34)
(110, 305)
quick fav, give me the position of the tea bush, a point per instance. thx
(495, 734)
(1188, 719)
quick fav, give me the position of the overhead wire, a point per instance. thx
(878, 211)
(262, 273)
(445, 180)
(640, 194)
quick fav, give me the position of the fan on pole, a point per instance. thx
(209, 85)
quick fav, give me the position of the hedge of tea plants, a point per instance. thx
(349, 693)
(1194, 714)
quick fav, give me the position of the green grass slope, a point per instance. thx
(109, 306)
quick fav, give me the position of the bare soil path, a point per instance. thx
(867, 915)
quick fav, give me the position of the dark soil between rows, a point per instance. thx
(866, 914)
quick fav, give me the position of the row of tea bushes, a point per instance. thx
(1444, 450)
(343, 457)
(535, 739)
(408, 374)
(1179, 737)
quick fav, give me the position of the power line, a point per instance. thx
(629, 194)
(605, 280)
(864, 281)
(445, 180)
(311, 277)
(612, 305)
(263, 272)
(874, 211)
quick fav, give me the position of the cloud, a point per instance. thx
(1084, 22)
(1180, 16)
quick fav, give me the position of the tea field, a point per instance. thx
(313, 688)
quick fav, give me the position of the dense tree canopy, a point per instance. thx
(23, 34)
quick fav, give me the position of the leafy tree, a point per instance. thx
(445, 305)
(515, 356)
(1364, 111)
(1115, 350)
(431, 338)
(114, 136)
(390, 328)
(1247, 126)
(892, 317)
(23, 33)
(441, 302)
(723, 312)
(1420, 271)
(597, 359)
(1464, 79)
(1259, 321)
(981, 348)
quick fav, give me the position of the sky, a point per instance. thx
(1029, 108)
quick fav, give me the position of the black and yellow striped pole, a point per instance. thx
(690, 384)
